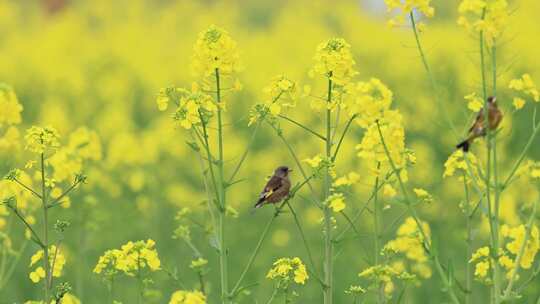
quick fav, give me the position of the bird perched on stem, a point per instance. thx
(277, 188)
(478, 128)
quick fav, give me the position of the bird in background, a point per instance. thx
(276, 189)
(478, 128)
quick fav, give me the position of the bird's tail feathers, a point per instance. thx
(258, 205)
(464, 145)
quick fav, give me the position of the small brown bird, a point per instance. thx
(477, 130)
(277, 188)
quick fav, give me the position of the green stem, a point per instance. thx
(46, 262)
(430, 74)
(111, 290)
(209, 158)
(58, 201)
(223, 251)
(517, 262)
(377, 233)
(521, 157)
(468, 271)
(342, 137)
(245, 154)
(274, 293)
(359, 213)
(310, 256)
(295, 157)
(427, 246)
(491, 150)
(328, 244)
(201, 282)
(139, 279)
(254, 253)
(303, 127)
(208, 192)
(27, 188)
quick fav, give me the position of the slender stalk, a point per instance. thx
(310, 256)
(223, 251)
(343, 136)
(55, 255)
(359, 213)
(430, 74)
(139, 279)
(468, 271)
(491, 165)
(328, 244)
(201, 282)
(303, 127)
(517, 262)
(35, 236)
(274, 293)
(209, 158)
(254, 253)
(521, 157)
(427, 245)
(295, 157)
(208, 191)
(377, 233)
(58, 201)
(111, 290)
(27, 188)
(245, 154)
(46, 264)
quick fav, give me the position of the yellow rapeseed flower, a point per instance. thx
(487, 16)
(287, 269)
(406, 7)
(336, 202)
(10, 108)
(215, 49)
(57, 260)
(334, 61)
(188, 297)
(39, 139)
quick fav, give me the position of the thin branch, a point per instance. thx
(27, 188)
(303, 127)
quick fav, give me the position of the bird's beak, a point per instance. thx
(290, 170)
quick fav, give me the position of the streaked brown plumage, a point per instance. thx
(277, 188)
(478, 128)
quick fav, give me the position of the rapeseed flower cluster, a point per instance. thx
(463, 163)
(384, 276)
(526, 86)
(41, 139)
(187, 297)
(334, 61)
(474, 102)
(280, 94)
(57, 260)
(215, 50)
(129, 259)
(10, 108)
(407, 7)
(10, 116)
(516, 237)
(193, 106)
(410, 242)
(372, 150)
(487, 16)
(287, 270)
